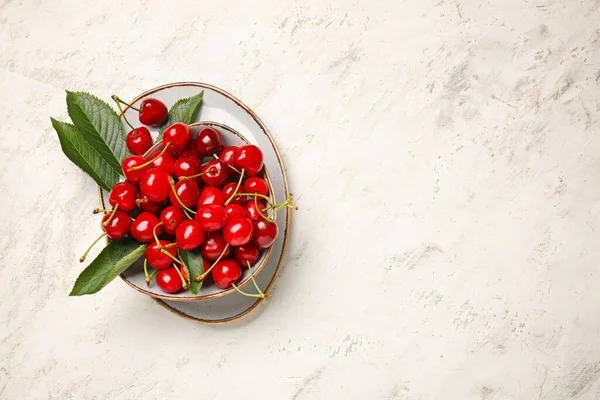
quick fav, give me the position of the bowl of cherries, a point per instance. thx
(188, 215)
(202, 190)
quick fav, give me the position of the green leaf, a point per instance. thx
(100, 126)
(84, 156)
(195, 264)
(182, 111)
(115, 258)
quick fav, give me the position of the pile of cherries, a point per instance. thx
(193, 195)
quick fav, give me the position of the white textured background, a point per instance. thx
(446, 158)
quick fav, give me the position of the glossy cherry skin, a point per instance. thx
(188, 235)
(138, 140)
(247, 253)
(210, 195)
(171, 217)
(255, 213)
(213, 246)
(118, 225)
(187, 166)
(238, 231)
(235, 211)
(158, 259)
(211, 217)
(188, 193)
(250, 158)
(178, 135)
(148, 205)
(169, 280)
(209, 142)
(153, 112)
(226, 272)
(166, 162)
(216, 173)
(254, 184)
(265, 233)
(142, 229)
(228, 191)
(190, 151)
(134, 176)
(155, 185)
(227, 155)
(125, 195)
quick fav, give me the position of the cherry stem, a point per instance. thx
(247, 294)
(201, 277)
(183, 281)
(286, 203)
(118, 100)
(155, 235)
(230, 166)
(186, 214)
(188, 177)
(262, 196)
(151, 149)
(262, 295)
(261, 212)
(151, 276)
(148, 277)
(236, 188)
(172, 182)
(105, 223)
(144, 165)
(177, 260)
(206, 163)
(82, 259)
(99, 210)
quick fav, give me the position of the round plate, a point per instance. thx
(222, 107)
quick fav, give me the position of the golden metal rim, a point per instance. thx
(286, 189)
(225, 292)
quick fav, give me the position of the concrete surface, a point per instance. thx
(446, 159)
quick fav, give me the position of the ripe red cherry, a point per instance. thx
(187, 166)
(228, 191)
(250, 158)
(226, 272)
(148, 205)
(155, 185)
(134, 176)
(252, 211)
(238, 231)
(188, 235)
(179, 135)
(190, 151)
(211, 217)
(245, 253)
(169, 280)
(227, 155)
(171, 217)
(158, 259)
(125, 195)
(213, 246)
(184, 273)
(188, 193)
(254, 184)
(139, 140)
(166, 162)
(210, 195)
(216, 173)
(153, 112)
(235, 211)
(118, 225)
(265, 233)
(209, 142)
(142, 229)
